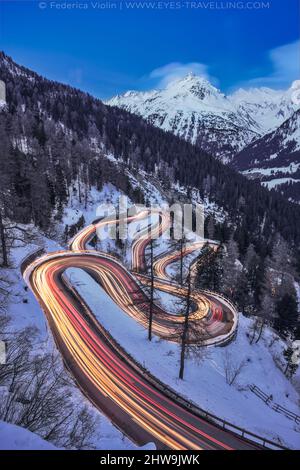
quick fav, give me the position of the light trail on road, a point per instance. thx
(160, 265)
(114, 382)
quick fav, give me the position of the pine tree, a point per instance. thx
(287, 310)
(253, 281)
(231, 270)
(291, 354)
(150, 290)
(210, 228)
(209, 269)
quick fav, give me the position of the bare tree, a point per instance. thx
(149, 290)
(5, 291)
(180, 246)
(197, 348)
(38, 394)
(184, 335)
(256, 329)
(232, 368)
(191, 334)
(13, 234)
(3, 241)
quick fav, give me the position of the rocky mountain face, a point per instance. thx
(268, 108)
(277, 148)
(274, 159)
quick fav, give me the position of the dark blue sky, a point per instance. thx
(107, 51)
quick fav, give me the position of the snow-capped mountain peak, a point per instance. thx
(194, 109)
(194, 84)
(198, 89)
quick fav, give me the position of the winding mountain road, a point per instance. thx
(106, 374)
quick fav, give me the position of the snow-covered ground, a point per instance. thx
(292, 168)
(204, 381)
(278, 181)
(16, 438)
(72, 213)
(25, 311)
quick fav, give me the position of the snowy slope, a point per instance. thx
(274, 149)
(24, 311)
(14, 437)
(196, 111)
(204, 381)
(275, 158)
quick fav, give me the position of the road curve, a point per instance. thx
(105, 373)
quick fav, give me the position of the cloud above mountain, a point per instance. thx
(284, 61)
(285, 67)
(176, 70)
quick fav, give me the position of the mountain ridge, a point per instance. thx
(54, 136)
(274, 159)
(195, 110)
(234, 128)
